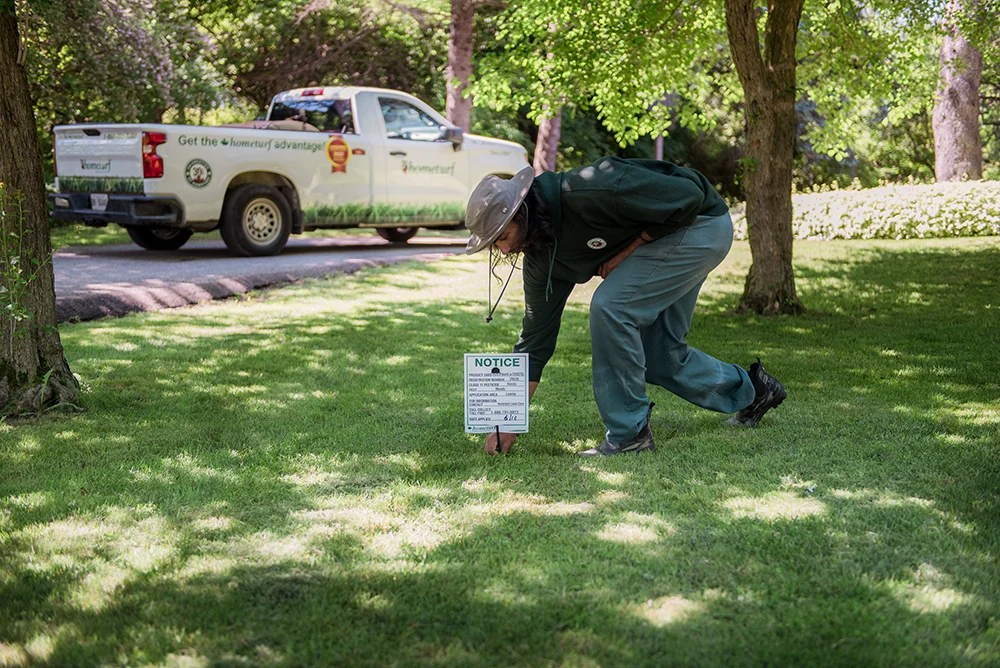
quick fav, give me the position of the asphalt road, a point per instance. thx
(98, 281)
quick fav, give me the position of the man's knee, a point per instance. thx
(605, 311)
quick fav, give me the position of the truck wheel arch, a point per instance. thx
(280, 182)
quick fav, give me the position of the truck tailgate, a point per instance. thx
(102, 159)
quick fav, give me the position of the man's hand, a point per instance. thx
(610, 265)
(506, 442)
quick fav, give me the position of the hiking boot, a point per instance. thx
(769, 393)
(642, 441)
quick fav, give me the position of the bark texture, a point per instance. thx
(958, 149)
(34, 374)
(768, 80)
(547, 143)
(458, 109)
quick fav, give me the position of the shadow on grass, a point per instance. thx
(724, 593)
(296, 491)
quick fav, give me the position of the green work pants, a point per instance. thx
(639, 319)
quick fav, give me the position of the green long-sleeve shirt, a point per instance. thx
(596, 212)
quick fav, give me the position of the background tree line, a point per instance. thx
(209, 61)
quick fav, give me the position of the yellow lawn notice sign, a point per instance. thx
(496, 393)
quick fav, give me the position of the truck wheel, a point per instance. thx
(399, 235)
(256, 221)
(159, 239)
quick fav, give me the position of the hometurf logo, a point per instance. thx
(409, 167)
(90, 166)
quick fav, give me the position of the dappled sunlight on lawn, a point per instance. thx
(284, 478)
(776, 506)
(636, 528)
(38, 649)
(928, 592)
(103, 553)
(668, 610)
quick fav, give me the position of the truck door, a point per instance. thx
(333, 165)
(423, 173)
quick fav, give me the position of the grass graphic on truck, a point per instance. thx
(378, 214)
(101, 184)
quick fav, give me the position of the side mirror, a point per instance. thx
(455, 135)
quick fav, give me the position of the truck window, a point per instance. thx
(327, 115)
(404, 121)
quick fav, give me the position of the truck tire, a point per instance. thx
(397, 235)
(159, 239)
(256, 221)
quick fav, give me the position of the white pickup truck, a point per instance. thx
(330, 157)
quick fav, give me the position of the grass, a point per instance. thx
(77, 234)
(101, 184)
(283, 481)
(352, 214)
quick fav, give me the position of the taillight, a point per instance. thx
(312, 91)
(152, 164)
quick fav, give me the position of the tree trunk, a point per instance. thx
(33, 372)
(768, 81)
(458, 109)
(547, 144)
(958, 149)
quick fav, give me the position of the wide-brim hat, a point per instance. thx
(492, 205)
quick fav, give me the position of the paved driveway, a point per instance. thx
(98, 281)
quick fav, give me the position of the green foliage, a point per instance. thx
(618, 59)
(867, 73)
(283, 480)
(894, 212)
(622, 59)
(263, 47)
(94, 60)
(864, 64)
(18, 267)
(877, 152)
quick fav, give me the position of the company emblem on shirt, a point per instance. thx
(597, 243)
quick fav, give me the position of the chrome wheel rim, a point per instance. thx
(261, 220)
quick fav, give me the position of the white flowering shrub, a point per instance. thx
(966, 209)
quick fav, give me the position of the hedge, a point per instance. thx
(966, 209)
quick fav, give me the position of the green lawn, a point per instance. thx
(77, 234)
(283, 480)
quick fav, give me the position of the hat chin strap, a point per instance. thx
(513, 266)
(489, 288)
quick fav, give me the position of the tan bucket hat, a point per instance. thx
(492, 205)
